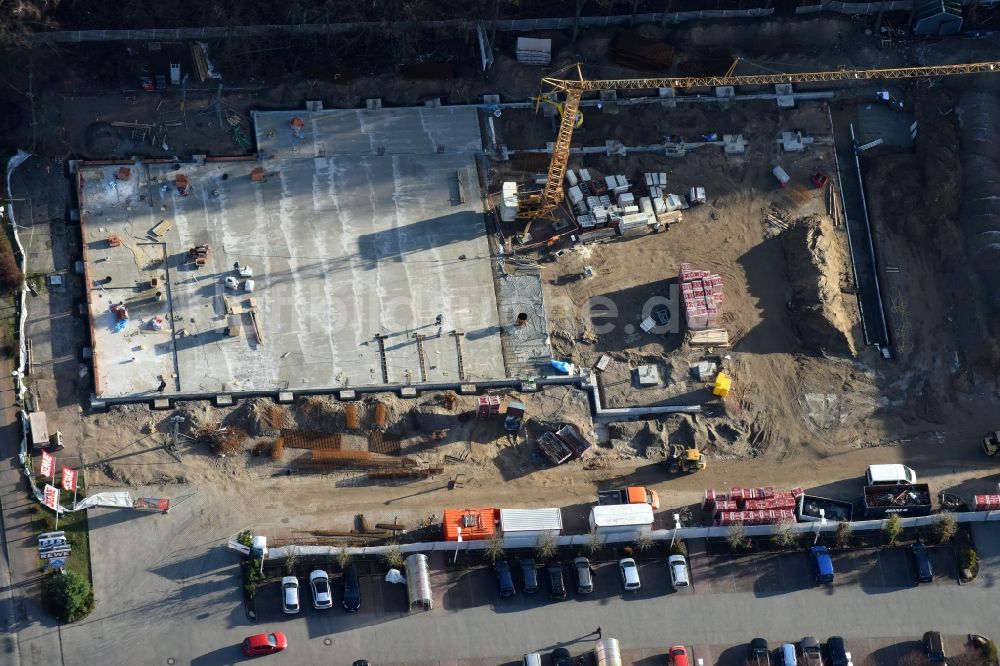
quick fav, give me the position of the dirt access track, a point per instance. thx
(811, 405)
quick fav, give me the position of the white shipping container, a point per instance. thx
(570, 177)
(585, 175)
(623, 518)
(611, 182)
(663, 178)
(622, 180)
(626, 198)
(649, 179)
(646, 205)
(575, 194)
(531, 520)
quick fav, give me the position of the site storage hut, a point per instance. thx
(469, 524)
(522, 528)
(418, 582)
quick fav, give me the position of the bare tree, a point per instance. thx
(784, 535)
(843, 536)
(393, 557)
(737, 536)
(546, 547)
(495, 547)
(643, 542)
(945, 527)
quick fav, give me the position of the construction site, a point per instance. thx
(758, 254)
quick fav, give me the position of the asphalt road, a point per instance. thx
(170, 591)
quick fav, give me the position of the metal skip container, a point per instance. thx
(418, 582)
(607, 652)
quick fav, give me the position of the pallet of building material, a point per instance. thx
(597, 234)
(200, 61)
(303, 439)
(364, 458)
(402, 473)
(668, 218)
(710, 337)
(637, 52)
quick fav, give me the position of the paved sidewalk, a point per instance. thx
(32, 637)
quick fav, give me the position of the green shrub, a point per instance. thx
(70, 594)
(892, 529)
(245, 538)
(968, 559)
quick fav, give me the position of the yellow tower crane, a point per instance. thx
(544, 203)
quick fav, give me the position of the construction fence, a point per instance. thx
(683, 533)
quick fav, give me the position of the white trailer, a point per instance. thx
(522, 528)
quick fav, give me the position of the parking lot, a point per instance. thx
(713, 578)
(156, 574)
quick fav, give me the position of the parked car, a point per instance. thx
(530, 575)
(532, 659)
(352, 589)
(584, 579)
(290, 594)
(812, 651)
(630, 573)
(838, 651)
(561, 657)
(505, 582)
(557, 586)
(678, 571)
(788, 657)
(261, 644)
(922, 563)
(759, 653)
(678, 655)
(319, 581)
(823, 563)
(934, 646)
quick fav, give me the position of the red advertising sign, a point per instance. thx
(51, 497)
(48, 464)
(68, 478)
(151, 504)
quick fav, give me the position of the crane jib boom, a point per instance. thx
(766, 79)
(544, 203)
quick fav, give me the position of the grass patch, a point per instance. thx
(75, 526)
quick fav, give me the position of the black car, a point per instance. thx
(352, 589)
(922, 563)
(759, 653)
(505, 582)
(934, 646)
(530, 575)
(557, 586)
(838, 651)
(561, 657)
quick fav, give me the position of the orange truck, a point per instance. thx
(629, 495)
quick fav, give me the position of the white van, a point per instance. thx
(890, 475)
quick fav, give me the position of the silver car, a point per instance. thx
(630, 574)
(290, 594)
(319, 581)
(678, 572)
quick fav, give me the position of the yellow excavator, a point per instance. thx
(543, 204)
(682, 459)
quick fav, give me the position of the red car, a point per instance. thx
(678, 656)
(262, 644)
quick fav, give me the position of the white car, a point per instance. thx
(290, 594)
(630, 574)
(678, 572)
(319, 581)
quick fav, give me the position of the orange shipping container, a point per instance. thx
(473, 524)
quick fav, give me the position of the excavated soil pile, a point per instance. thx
(815, 258)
